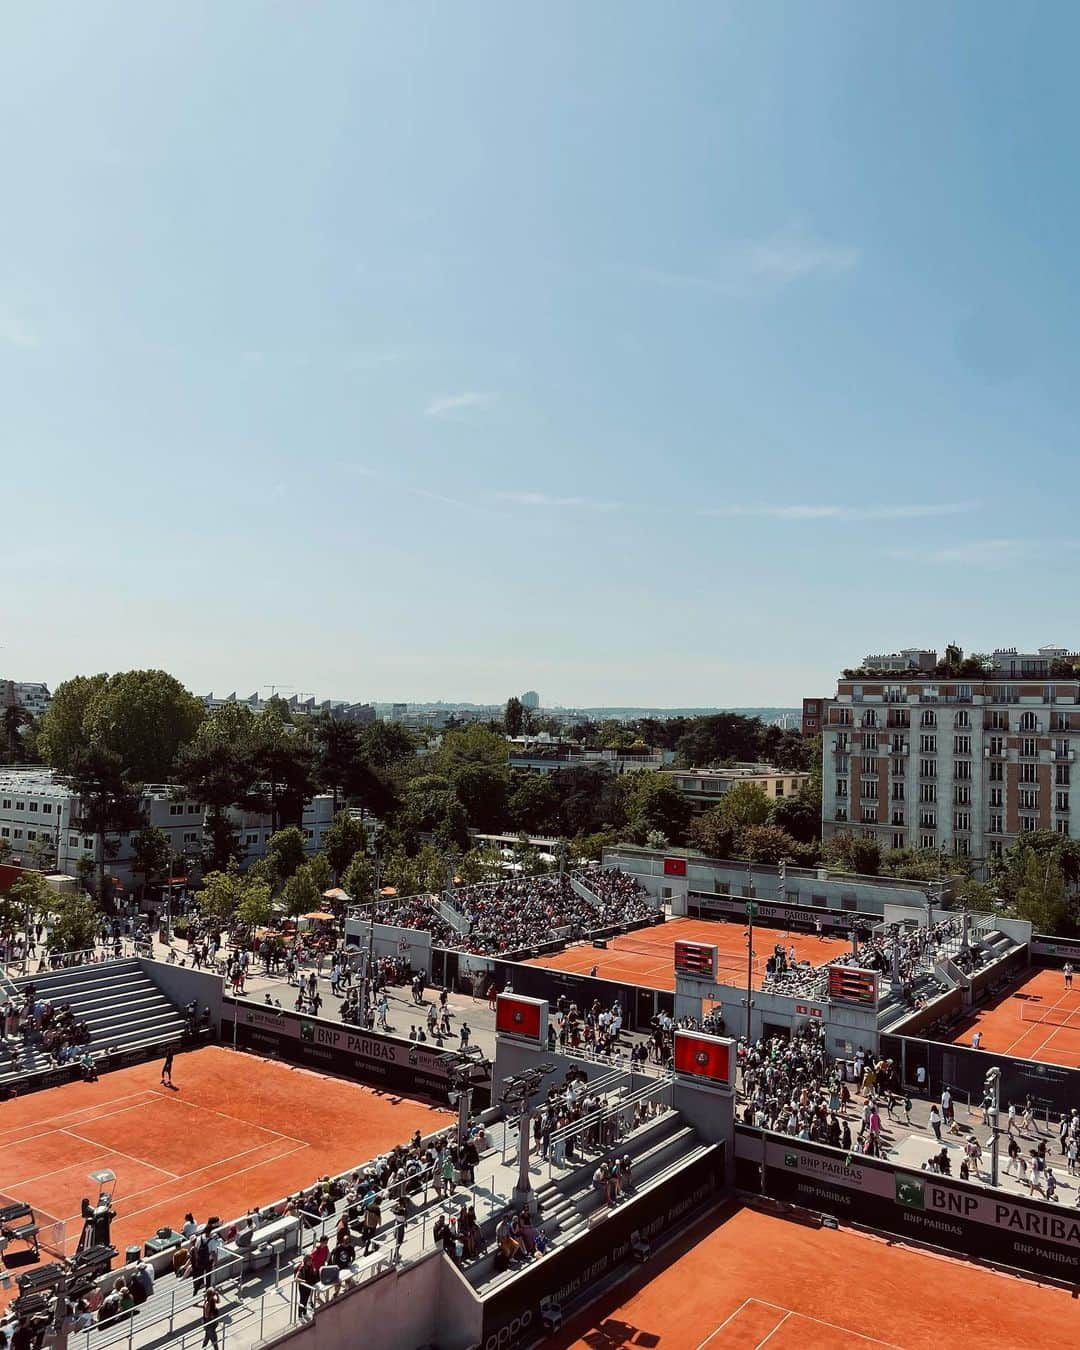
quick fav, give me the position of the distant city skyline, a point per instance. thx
(639, 356)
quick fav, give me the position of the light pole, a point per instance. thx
(749, 946)
(993, 1086)
(518, 1090)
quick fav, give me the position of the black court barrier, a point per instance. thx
(1031, 1235)
(389, 1062)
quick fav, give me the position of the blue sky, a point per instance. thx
(668, 355)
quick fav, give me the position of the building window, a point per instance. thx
(1029, 773)
(962, 847)
(996, 848)
(20, 806)
(17, 834)
(841, 787)
(841, 813)
(927, 841)
(73, 841)
(88, 843)
(869, 788)
(963, 719)
(928, 820)
(1063, 827)
(962, 795)
(997, 721)
(898, 792)
(34, 807)
(997, 745)
(961, 745)
(961, 768)
(927, 768)
(46, 808)
(193, 809)
(997, 772)
(928, 719)
(1062, 775)
(928, 745)
(176, 809)
(898, 818)
(7, 803)
(870, 740)
(191, 837)
(1028, 799)
(1061, 801)
(928, 792)
(5, 832)
(997, 797)
(1028, 824)
(869, 815)
(1029, 747)
(252, 839)
(31, 834)
(869, 764)
(721, 887)
(995, 825)
(962, 820)
(1029, 722)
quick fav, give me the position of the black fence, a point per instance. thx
(104, 1062)
(980, 1221)
(1053, 1086)
(389, 1062)
(513, 1313)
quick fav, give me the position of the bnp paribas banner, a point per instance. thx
(965, 1217)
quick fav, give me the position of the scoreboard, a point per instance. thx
(849, 984)
(696, 959)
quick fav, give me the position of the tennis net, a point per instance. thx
(1051, 1017)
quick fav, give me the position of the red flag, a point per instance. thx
(674, 867)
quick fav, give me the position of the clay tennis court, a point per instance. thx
(237, 1131)
(750, 1279)
(646, 957)
(1038, 1018)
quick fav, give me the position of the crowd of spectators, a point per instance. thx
(33, 1021)
(521, 913)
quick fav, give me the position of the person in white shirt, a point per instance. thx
(976, 1040)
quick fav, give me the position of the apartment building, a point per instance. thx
(28, 694)
(958, 763)
(40, 820)
(703, 788)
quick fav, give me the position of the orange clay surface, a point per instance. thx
(646, 957)
(1009, 1027)
(236, 1131)
(749, 1279)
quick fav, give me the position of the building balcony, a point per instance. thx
(1063, 756)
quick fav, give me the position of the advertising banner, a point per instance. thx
(968, 1218)
(523, 1019)
(700, 1056)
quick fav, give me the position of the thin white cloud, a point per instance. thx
(14, 332)
(975, 552)
(808, 511)
(745, 267)
(452, 403)
(543, 499)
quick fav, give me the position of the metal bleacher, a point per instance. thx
(122, 1007)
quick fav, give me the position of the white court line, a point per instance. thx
(239, 1172)
(66, 1115)
(185, 1176)
(730, 1317)
(236, 1120)
(774, 1330)
(833, 1326)
(105, 1148)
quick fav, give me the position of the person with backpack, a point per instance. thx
(372, 1219)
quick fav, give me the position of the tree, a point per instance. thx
(301, 893)
(285, 765)
(62, 732)
(766, 843)
(745, 804)
(31, 895)
(285, 853)
(797, 817)
(255, 907)
(75, 924)
(343, 840)
(218, 770)
(358, 878)
(854, 853)
(712, 833)
(514, 717)
(15, 719)
(656, 840)
(41, 852)
(452, 832)
(481, 790)
(5, 849)
(338, 754)
(533, 804)
(319, 869)
(153, 854)
(653, 803)
(221, 894)
(1041, 896)
(386, 744)
(107, 804)
(144, 717)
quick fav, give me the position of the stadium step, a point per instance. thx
(122, 1007)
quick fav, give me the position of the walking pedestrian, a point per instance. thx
(209, 1317)
(166, 1070)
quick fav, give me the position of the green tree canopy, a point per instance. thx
(221, 893)
(255, 907)
(107, 801)
(62, 732)
(358, 878)
(75, 925)
(1041, 895)
(285, 853)
(745, 804)
(301, 894)
(343, 840)
(153, 854)
(514, 717)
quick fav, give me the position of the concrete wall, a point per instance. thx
(421, 1305)
(181, 984)
(802, 886)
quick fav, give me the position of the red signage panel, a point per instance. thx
(674, 867)
(710, 1058)
(524, 1018)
